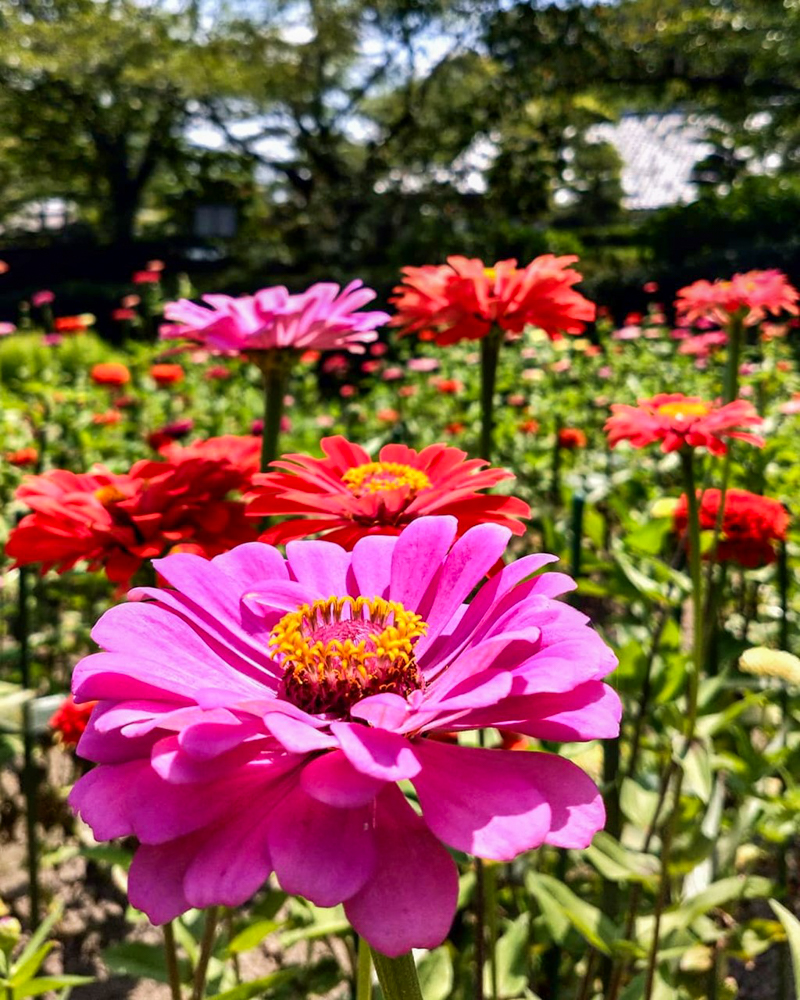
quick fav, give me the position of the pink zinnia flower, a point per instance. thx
(754, 295)
(234, 737)
(6, 329)
(323, 318)
(679, 421)
(43, 298)
(704, 344)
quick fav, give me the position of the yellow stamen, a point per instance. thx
(336, 651)
(108, 495)
(681, 409)
(376, 477)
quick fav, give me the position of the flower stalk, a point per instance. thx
(275, 366)
(364, 971)
(206, 948)
(490, 356)
(397, 976)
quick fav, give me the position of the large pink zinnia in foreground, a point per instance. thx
(258, 717)
(322, 318)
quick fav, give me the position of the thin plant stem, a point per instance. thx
(171, 956)
(397, 976)
(735, 335)
(696, 573)
(275, 366)
(206, 947)
(30, 776)
(364, 971)
(480, 925)
(490, 355)
(490, 896)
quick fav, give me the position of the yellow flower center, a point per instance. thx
(108, 495)
(490, 273)
(337, 651)
(375, 477)
(680, 410)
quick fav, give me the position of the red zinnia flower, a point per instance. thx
(110, 373)
(73, 324)
(679, 421)
(448, 386)
(754, 294)
(348, 494)
(571, 438)
(118, 521)
(22, 457)
(70, 719)
(107, 419)
(123, 315)
(241, 451)
(166, 374)
(464, 299)
(750, 525)
(146, 277)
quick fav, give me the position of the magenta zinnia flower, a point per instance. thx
(323, 318)
(258, 716)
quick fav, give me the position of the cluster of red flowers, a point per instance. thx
(349, 494)
(70, 720)
(118, 521)
(751, 524)
(464, 299)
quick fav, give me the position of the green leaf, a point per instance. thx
(637, 803)
(140, 960)
(435, 971)
(253, 935)
(511, 958)
(35, 987)
(792, 927)
(258, 986)
(593, 925)
(325, 922)
(27, 964)
(621, 864)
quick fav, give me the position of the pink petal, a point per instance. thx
(485, 802)
(376, 752)
(295, 735)
(418, 556)
(371, 565)
(323, 853)
(332, 779)
(410, 900)
(321, 566)
(155, 879)
(577, 806)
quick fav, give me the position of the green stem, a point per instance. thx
(490, 892)
(206, 947)
(735, 336)
(397, 976)
(275, 366)
(172, 961)
(364, 972)
(490, 354)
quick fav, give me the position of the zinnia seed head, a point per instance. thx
(337, 651)
(777, 663)
(375, 477)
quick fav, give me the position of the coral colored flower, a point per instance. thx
(571, 438)
(43, 298)
(129, 301)
(349, 494)
(4, 267)
(406, 391)
(423, 365)
(110, 373)
(123, 315)
(371, 366)
(388, 416)
(146, 277)
(22, 457)
(454, 428)
(310, 357)
(107, 419)
(628, 332)
(392, 374)
(70, 719)
(73, 324)
(166, 374)
(6, 329)
(155, 265)
(115, 522)
(791, 407)
(464, 300)
(679, 421)
(322, 318)
(258, 717)
(240, 451)
(753, 295)
(751, 524)
(651, 287)
(347, 391)
(529, 426)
